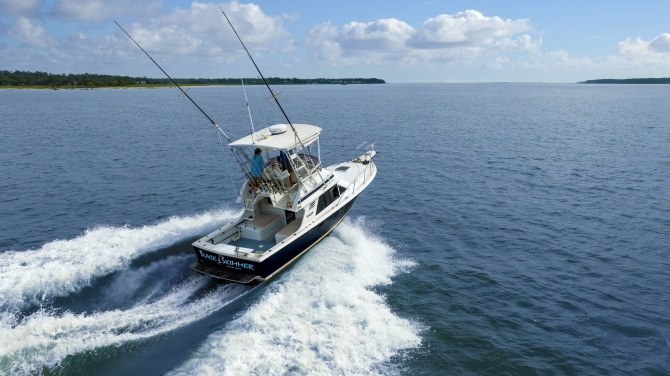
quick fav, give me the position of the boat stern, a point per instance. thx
(221, 273)
(225, 267)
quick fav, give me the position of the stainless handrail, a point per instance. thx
(367, 167)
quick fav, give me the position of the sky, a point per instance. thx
(398, 41)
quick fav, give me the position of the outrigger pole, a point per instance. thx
(274, 96)
(242, 158)
(175, 83)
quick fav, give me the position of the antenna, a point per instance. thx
(249, 110)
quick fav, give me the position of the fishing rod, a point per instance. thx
(175, 83)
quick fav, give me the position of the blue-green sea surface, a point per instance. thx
(511, 229)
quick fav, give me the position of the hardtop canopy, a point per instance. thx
(285, 141)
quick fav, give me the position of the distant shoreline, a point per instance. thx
(633, 81)
(145, 86)
(148, 86)
(38, 80)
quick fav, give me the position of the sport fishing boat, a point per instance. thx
(290, 201)
(288, 209)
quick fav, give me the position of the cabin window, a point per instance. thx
(327, 198)
(322, 202)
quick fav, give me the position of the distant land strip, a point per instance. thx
(87, 80)
(629, 81)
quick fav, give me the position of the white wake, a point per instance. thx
(45, 338)
(319, 318)
(62, 267)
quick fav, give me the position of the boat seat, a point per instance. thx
(263, 227)
(263, 220)
(288, 230)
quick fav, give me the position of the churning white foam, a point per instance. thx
(320, 318)
(62, 267)
(46, 338)
(129, 283)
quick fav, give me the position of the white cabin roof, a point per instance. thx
(265, 140)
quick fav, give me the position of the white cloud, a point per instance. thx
(288, 47)
(469, 28)
(383, 35)
(496, 63)
(562, 58)
(202, 29)
(291, 17)
(640, 52)
(322, 41)
(34, 35)
(661, 43)
(521, 43)
(369, 43)
(463, 37)
(629, 52)
(19, 7)
(101, 10)
(197, 36)
(554, 59)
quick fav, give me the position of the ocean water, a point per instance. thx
(511, 229)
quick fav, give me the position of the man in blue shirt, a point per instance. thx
(257, 166)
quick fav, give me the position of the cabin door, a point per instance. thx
(290, 216)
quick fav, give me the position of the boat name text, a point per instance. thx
(223, 261)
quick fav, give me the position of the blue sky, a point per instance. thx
(421, 41)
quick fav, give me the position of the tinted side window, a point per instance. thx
(336, 192)
(327, 198)
(321, 204)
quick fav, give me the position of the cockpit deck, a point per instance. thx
(258, 246)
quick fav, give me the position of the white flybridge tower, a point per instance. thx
(291, 167)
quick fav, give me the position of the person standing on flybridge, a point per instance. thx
(286, 165)
(257, 166)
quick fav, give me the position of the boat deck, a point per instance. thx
(256, 245)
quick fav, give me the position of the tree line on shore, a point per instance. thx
(628, 81)
(25, 78)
